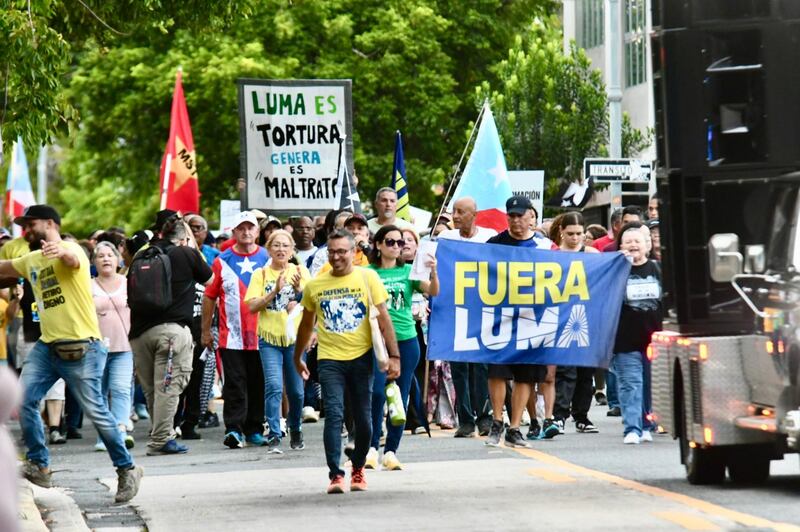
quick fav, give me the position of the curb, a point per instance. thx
(63, 513)
(30, 519)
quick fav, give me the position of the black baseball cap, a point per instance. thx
(518, 205)
(38, 212)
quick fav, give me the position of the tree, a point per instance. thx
(551, 107)
(413, 66)
(41, 37)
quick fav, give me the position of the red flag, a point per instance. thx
(179, 190)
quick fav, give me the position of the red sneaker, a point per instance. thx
(336, 485)
(358, 482)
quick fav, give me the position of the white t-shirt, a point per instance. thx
(374, 226)
(482, 235)
(304, 254)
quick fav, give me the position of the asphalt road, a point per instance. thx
(576, 481)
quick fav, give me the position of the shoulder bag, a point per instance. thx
(378, 343)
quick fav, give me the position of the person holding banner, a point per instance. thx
(469, 378)
(385, 259)
(573, 383)
(521, 218)
(273, 293)
(339, 301)
(640, 317)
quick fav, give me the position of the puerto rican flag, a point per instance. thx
(19, 193)
(485, 178)
(238, 328)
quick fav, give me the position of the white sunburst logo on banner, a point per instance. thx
(577, 328)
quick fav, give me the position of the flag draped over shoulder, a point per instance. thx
(399, 180)
(19, 193)
(179, 188)
(517, 305)
(348, 194)
(485, 178)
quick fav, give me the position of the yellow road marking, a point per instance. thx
(549, 474)
(687, 521)
(697, 504)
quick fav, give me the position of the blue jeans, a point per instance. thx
(647, 396)
(278, 365)
(41, 369)
(356, 377)
(409, 357)
(627, 367)
(117, 385)
(611, 389)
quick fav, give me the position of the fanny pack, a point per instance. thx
(71, 350)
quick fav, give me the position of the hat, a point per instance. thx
(518, 205)
(652, 224)
(4, 233)
(260, 215)
(38, 212)
(243, 217)
(269, 219)
(161, 218)
(356, 218)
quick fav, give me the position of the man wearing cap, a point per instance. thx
(358, 226)
(162, 342)
(386, 207)
(69, 348)
(243, 389)
(521, 216)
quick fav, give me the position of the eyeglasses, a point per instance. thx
(391, 242)
(338, 252)
(280, 245)
(195, 227)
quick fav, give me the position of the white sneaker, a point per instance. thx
(646, 436)
(372, 459)
(310, 415)
(390, 462)
(631, 438)
(526, 419)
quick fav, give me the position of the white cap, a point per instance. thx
(243, 217)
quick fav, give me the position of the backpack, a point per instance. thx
(150, 281)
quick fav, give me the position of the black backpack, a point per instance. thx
(150, 281)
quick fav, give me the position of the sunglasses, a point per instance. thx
(392, 242)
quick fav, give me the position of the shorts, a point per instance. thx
(529, 373)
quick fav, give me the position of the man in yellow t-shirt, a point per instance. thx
(339, 302)
(69, 348)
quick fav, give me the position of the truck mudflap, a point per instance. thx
(710, 382)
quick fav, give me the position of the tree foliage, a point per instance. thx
(551, 107)
(414, 65)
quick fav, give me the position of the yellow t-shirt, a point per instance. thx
(359, 259)
(14, 249)
(63, 295)
(3, 326)
(341, 306)
(272, 320)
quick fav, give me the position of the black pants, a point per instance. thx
(573, 392)
(189, 404)
(243, 391)
(472, 391)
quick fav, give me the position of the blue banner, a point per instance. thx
(517, 305)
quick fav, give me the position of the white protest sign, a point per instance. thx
(529, 183)
(420, 272)
(228, 210)
(290, 133)
(421, 217)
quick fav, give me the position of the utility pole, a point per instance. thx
(613, 53)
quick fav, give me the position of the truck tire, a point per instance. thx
(748, 466)
(704, 466)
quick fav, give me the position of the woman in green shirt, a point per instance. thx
(394, 272)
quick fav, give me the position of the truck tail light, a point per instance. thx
(651, 353)
(770, 347)
(708, 435)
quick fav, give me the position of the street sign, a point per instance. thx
(617, 170)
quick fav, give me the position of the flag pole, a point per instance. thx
(461, 160)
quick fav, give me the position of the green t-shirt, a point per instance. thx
(400, 290)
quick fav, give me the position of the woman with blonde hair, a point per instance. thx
(273, 293)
